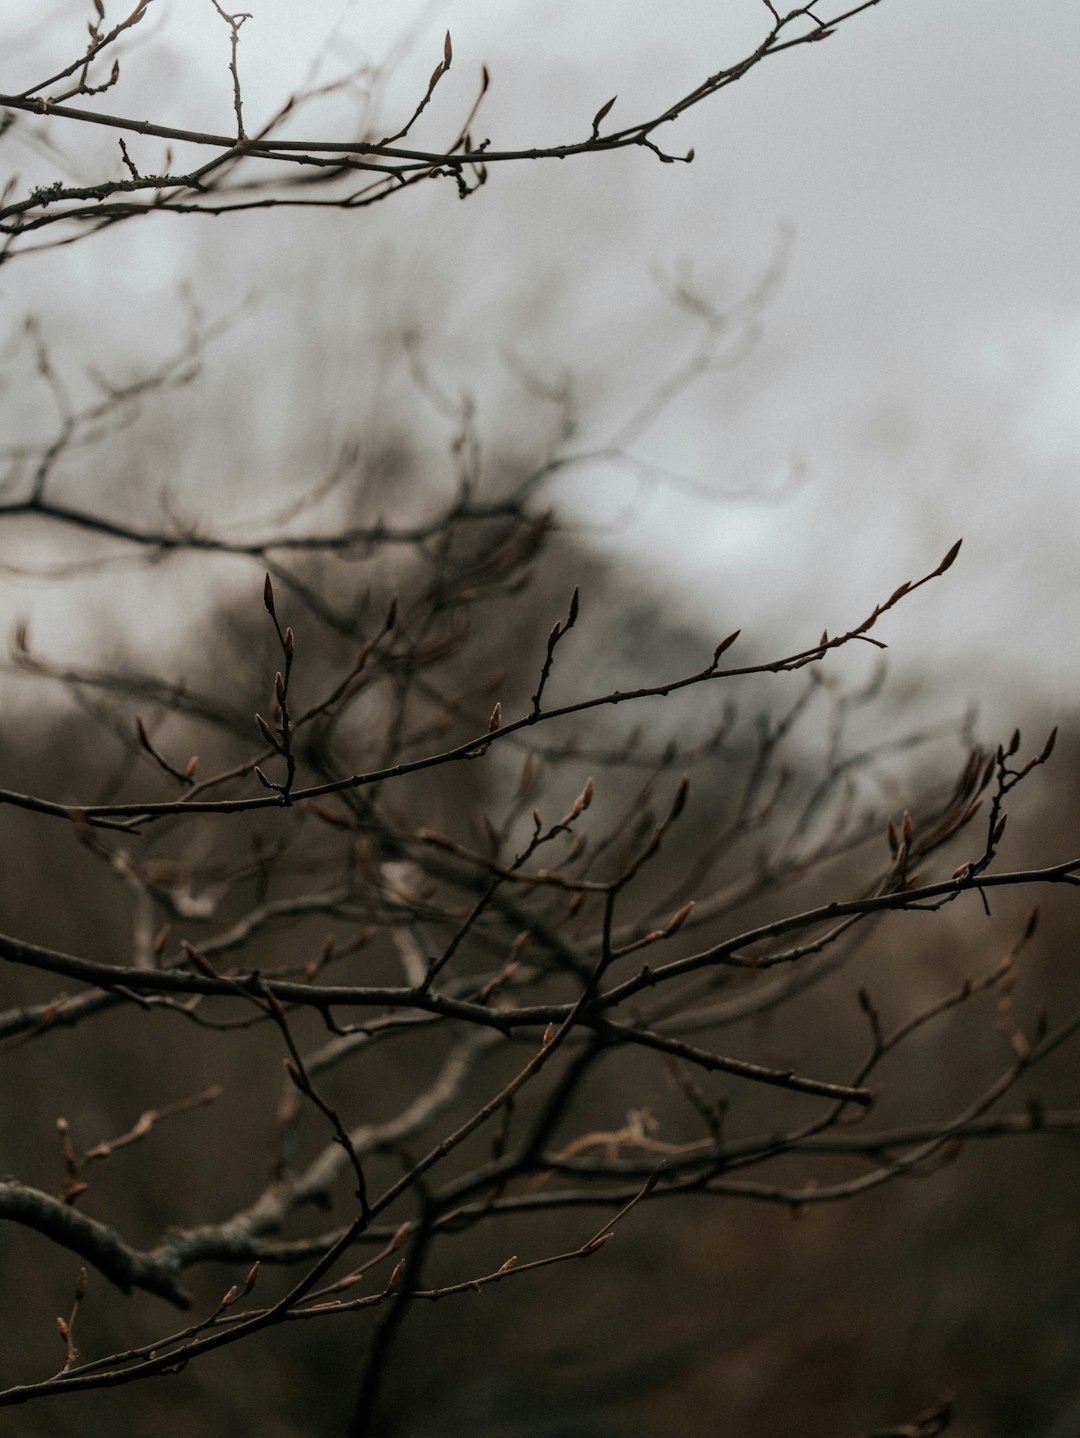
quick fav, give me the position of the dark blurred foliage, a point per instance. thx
(704, 1314)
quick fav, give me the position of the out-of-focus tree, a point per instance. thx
(397, 828)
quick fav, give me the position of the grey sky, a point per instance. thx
(921, 358)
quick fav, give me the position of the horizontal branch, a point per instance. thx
(277, 147)
(119, 978)
(357, 536)
(96, 1242)
(210, 189)
(739, 1068)
(478, 746)
(926, 897)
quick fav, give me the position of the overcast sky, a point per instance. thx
(917, 375)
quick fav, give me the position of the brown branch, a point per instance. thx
(472, 748)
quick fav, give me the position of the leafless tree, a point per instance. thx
(436, 874)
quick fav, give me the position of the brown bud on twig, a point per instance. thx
(198, 959)
(268, 598)
(679, 918)
(584, 799)
(394, 1281)
(496, 718)
(268, 733)
(948, 561)
(600, 115)
(723, 646)
(289, 644)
